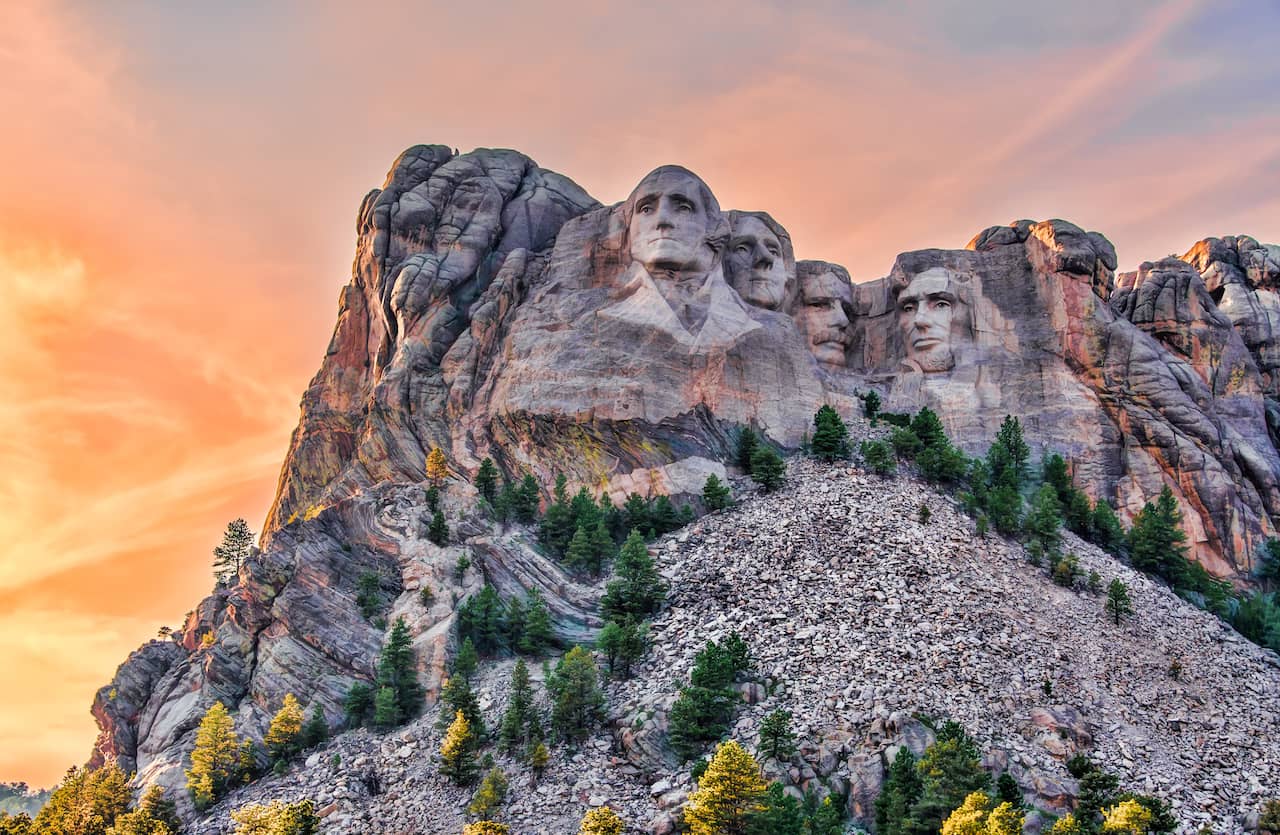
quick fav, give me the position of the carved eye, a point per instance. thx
(942, 304)
(645, 209)
(685, 206)
(909, 307)
(742, 249)
(773, 250)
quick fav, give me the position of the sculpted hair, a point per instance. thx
(717, 227)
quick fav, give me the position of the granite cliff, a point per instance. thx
(497, 310)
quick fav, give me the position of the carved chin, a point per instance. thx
(829, 353)
(935, 360)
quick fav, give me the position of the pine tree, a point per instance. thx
(576, 701)
(777, 741)
(229, 556)
(871, 406)
(538, 635)
(457, 697)
(928, 428)
(878, 457)
(663, 517)
(1043, 523)
(316, 731)
(386, 712)
(581, 556)
(901, 791)
(637, 589)
(85, 803)
(1007, 790)
(622, 644)
(1156, 540)
(277, 818)
(746, 448)
(526, 506)
(397, 669)
(358, 706)
(767, 468)
(780, 814)
(437, 467)
(155, 815)
(1009, 455)
(1108, 533)
(1267, 568)
(830, 435)
(1004, 508)
(715, 494)
(950, 770)
(215, 760)
(505, 505)
(557, 527)
(728, 794)
(487, 481)
(1118, 604)
(636, 512)
(486, 828)
(539, 757)
(602, 546)
(438, 532)
(457, 752)
(482, 617)
(601, 821)
(283, 739)
(492, 791)
(513, 734)
(466, 661)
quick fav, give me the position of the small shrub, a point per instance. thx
(925, 514)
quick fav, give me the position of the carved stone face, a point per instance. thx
(926, 312)
(755, 263)
(822, 317)
(669, 223)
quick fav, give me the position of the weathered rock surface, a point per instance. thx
(861, 620)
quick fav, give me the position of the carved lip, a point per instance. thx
(926, 342)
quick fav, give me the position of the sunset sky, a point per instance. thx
(179, 183)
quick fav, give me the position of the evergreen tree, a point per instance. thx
(1267, 568)
(557, 527)
(539, 757)
(636, 513)
(728, 794)
(1118, 604)
(830, 435)
(1009, 455)
(538, 635)
(505, 506)
(1007, 790)
(513, 734)
(1156, 540)
(822, 817)
(601, 821)
(230, 555)
(86, 802)
(398, 671)
(622, 644)
(437, 467)
(1043, 522)
(492, 791)
(581, 556)
(316, 730)
(457, 697)
(901, 791)
(663, 516)
(871, 406)
(780, 814)
(1077, 512)
(586, 513)
(767, 468)
(358, 706)
(906, 444)
(155, 815)
(942, 463)
(637, 589)
(482, 617)
(602, 545)
(486, 828)
(1004, 509)
(386, 712)
(457, 752)
(215, 761)
(746, 448)
(716, 494)
(487, 481)
(950, 770)
(466, 661)
(928, 428)
(277, 818)
(283, 739)
(438, 532)
(514, 623)
(702, 711)
(777, 740)
(576, 701)
(878, 457)
(1108, 533)
(1053, 470)
(527, 500)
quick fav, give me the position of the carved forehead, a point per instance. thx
(751, 225)
(825, 285)
(675, 179)
(931, 282)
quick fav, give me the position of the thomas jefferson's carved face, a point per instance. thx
(669, 223)
(926, 311)
(822, 317)
(755, 263)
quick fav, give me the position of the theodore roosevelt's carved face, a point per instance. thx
(755, 264)
(822, 317)
(671, 215)
(927, 310)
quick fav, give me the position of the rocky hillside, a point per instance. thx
(862, 621)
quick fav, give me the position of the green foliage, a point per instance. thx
(284, 736)
(1009, 455)
(277, 818)
(896, 419)
(1043, 521)
(1156, 540)
(581, 556)
(466, 661)
(1007, 790)
(637, 590)
(438, 530)
(767, 468)
(526, 500)
(492, 791)
(716, 494)
(1108, 533)
(830, 435)
(86, 802)
(1118, 604)
(431, 497)
(1066, 570)
(154, 815)
(369, 594)
(623, 644)
(1257, 617)
(515, 732)
(901, 791)
(703, 709)
(397, 671)
(746, 448)
(1100, 793)
(950, 770)
(538, 635)
(728, 795)
(822, 817)
(539, 757)
(871, 405)
(229, 556)
(458, 751)
(878, 457)
(358, 706)
(386, 712)
(217, 764)
(924, 514)
(601, 821)
(577, 704)
(1269, 818)
(942, 464)
(316, 729)
(780, 814)
(487, 481)
(482, 618)
(906, 444)
(777, 740)
(457, 697)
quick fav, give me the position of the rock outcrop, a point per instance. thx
(497, 310)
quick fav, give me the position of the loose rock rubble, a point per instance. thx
(864, 622)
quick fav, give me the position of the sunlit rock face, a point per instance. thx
(497, 310)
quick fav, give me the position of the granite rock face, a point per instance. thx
(497, 310)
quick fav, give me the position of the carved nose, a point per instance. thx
(841, 319)
(763, 258)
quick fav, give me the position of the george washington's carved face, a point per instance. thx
(670, 221)
(755, 264)
(927, 310)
